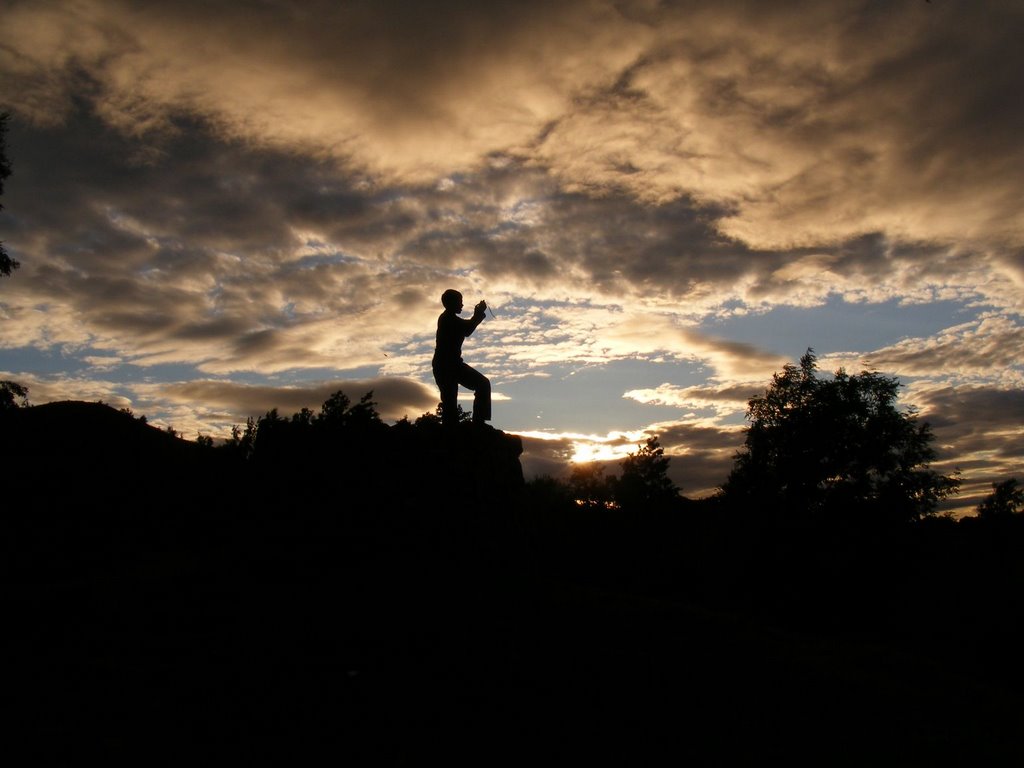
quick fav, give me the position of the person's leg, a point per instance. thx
(480, 385)
(448, 385)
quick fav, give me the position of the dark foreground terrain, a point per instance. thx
(173, 605)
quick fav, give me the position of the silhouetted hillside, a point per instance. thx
(81, 435)
(330, 587)
(90, 451)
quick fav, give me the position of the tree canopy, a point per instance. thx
(11, 392)
(644, 481)
(816, 445)
(1007, 498)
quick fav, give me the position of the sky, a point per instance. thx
(222, 208)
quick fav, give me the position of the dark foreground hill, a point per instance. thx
(392, 599)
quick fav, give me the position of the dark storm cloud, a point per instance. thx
(512, 222)
(748, 95)
(621, 245)
(120, 305)
(216, 328)
(980, 431)
(544, 457)
(258, 341)
(534, 266)
(962, 412)
(200, 243)
(80, 181)
(703, 455)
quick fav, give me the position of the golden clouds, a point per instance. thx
(811, 123)
(398, 89)
(809, 138)
(990, 348)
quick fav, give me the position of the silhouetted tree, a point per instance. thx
(435, 417)
(6, 262)
(279, 439)
(241, 441)
(589, 487)
(305, 437)
(1006, 499)
(829, 445)
(304, 417)
(644, 480)
(337, 412)
(9, 392)
(334, 408)
(546, 493)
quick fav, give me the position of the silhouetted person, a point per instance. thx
(449, 369)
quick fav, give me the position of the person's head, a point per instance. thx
(452, 300)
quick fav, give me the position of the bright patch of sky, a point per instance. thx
(838, 326)
(41, 361)
(588, 398)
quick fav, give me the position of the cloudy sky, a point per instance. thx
(222, 208)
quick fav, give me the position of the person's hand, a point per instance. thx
(480, 308)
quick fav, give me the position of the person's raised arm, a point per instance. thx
(479, 313)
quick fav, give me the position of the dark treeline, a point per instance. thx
(827, 525)
(327, 584)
